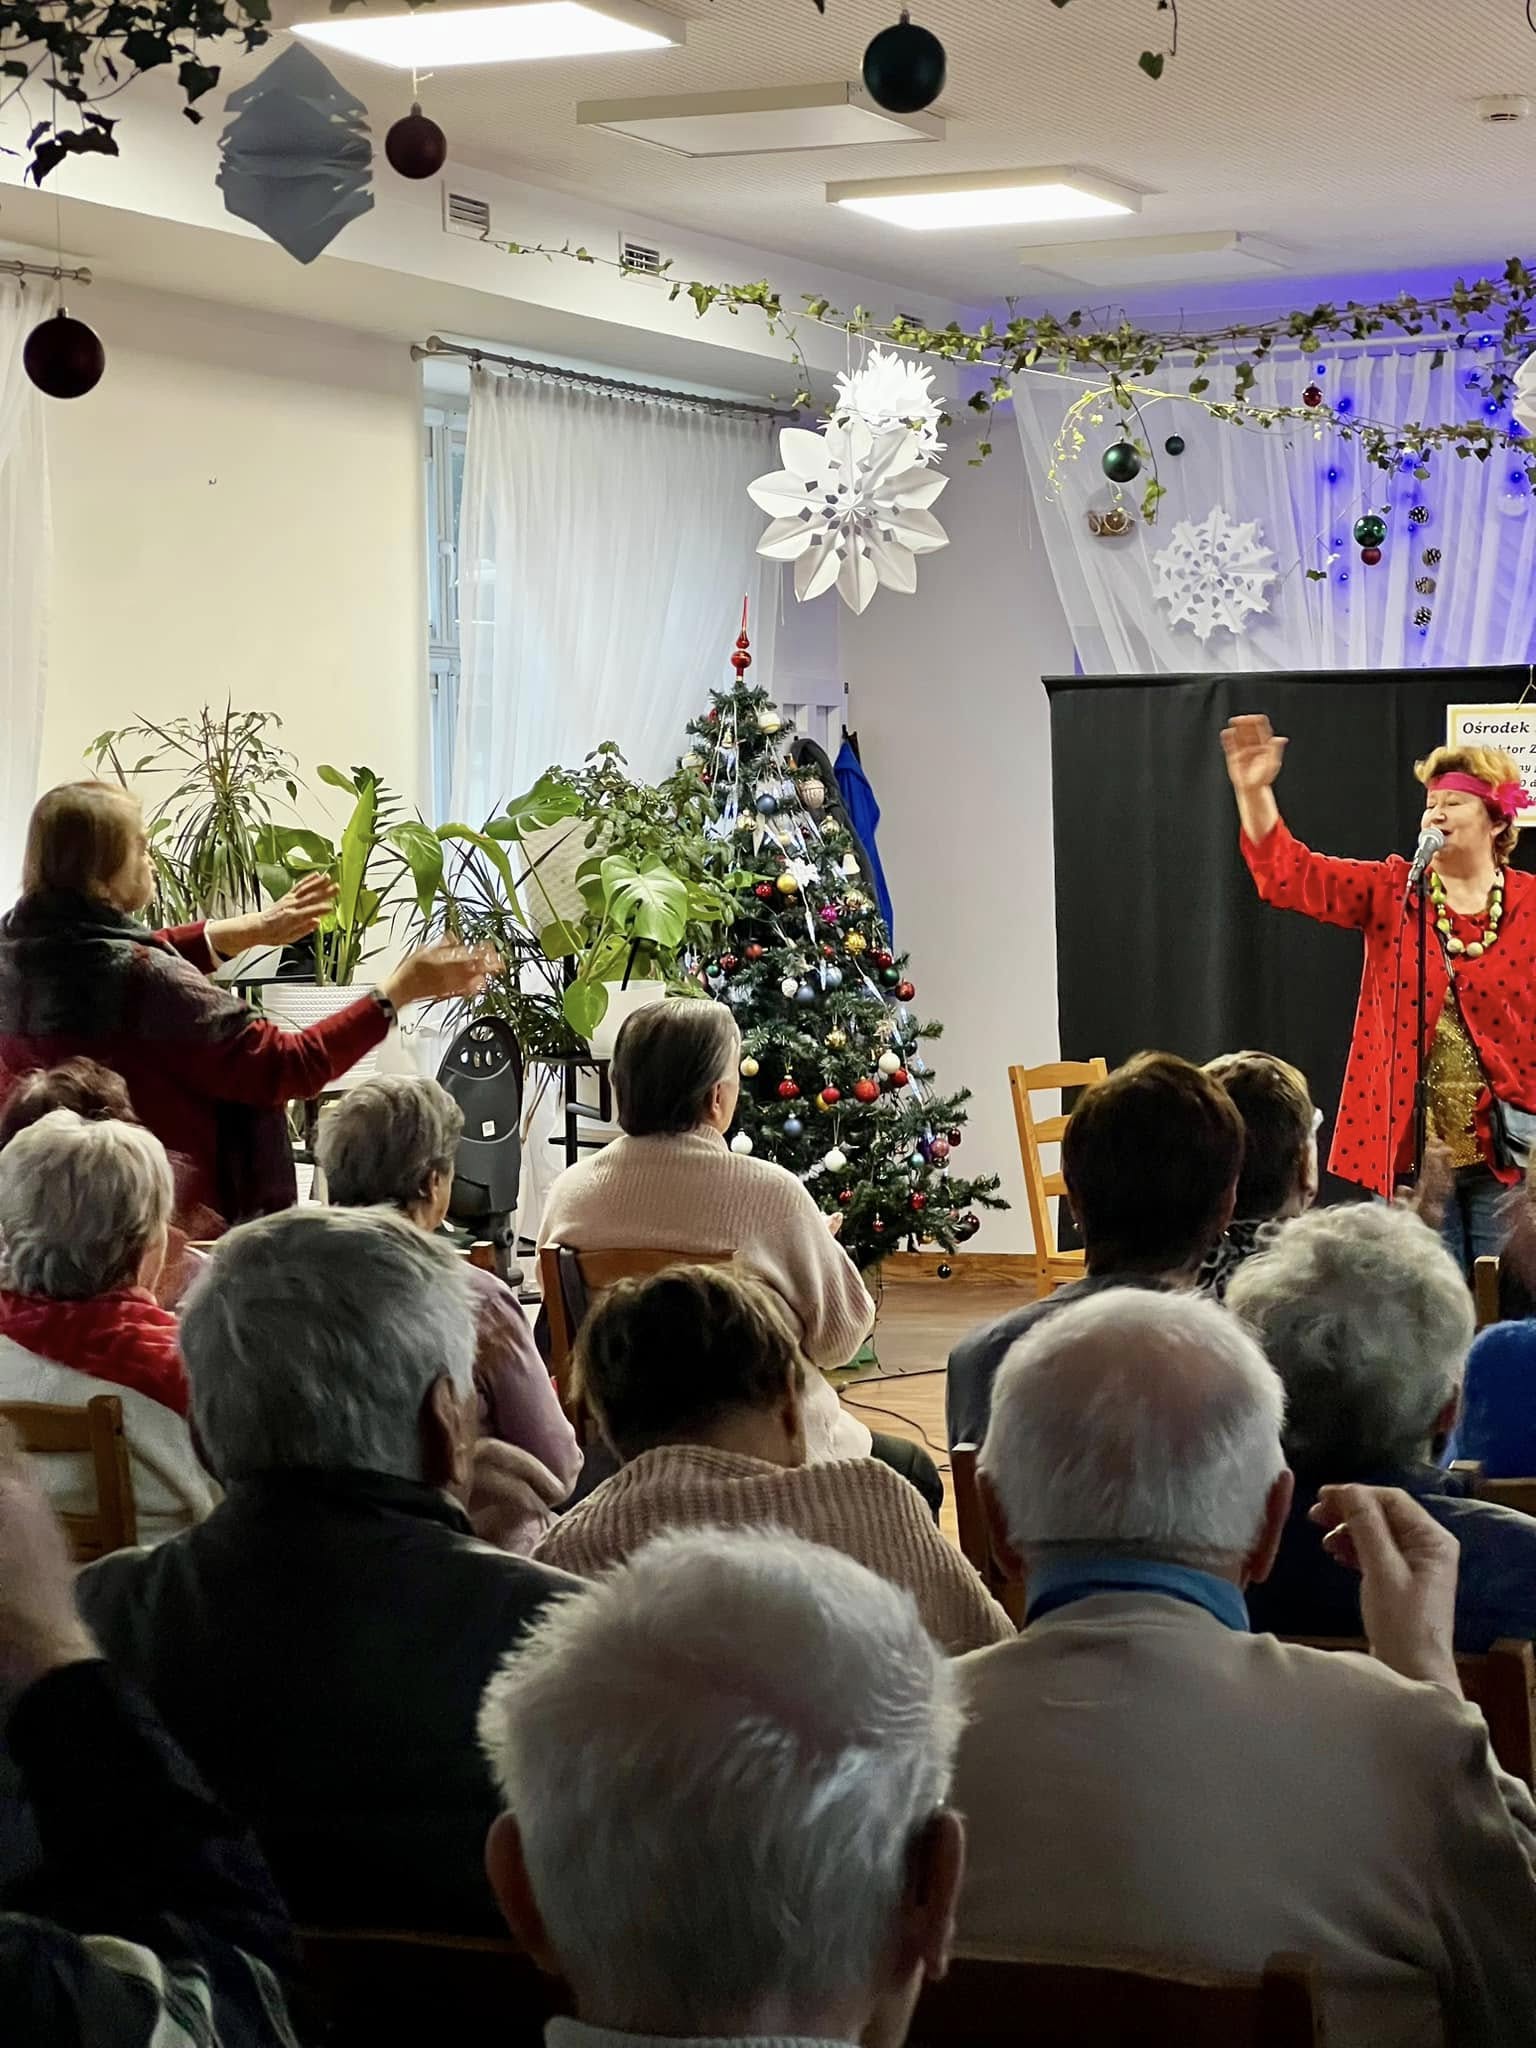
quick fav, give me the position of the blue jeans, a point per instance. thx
(1472, 1229)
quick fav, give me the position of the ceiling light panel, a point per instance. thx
(500, 32)
(988, 199)
(764, 122)
(1215, 256)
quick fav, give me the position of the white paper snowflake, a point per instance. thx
(1524, 407)
(850, 508)
(887, 392)
(1214, 574)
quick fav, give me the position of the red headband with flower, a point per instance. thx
(1505, 800)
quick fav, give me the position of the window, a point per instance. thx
(445, 433)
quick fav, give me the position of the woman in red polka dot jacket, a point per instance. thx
(1481, 974)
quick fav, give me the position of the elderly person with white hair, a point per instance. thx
(1139, 1772)
(671, 1183)
(391, 1142)
(757, 1845)
(1367, 1320)
(84, 1211)
(319, 1645)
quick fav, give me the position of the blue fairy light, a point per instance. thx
(1344, 405)
(1331, 474)
(1517, 477)
(1342, 577)
(1491, 407)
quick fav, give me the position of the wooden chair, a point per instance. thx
(994, 2001)
(1501, 1683)
(570, 1280)
(1053, 1269)
(975, 1535)
(1519, 1494)
(1485, 1289)
(390, 1989)
(53, 1429)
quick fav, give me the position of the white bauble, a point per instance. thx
(749, 1066)
(789, 986)
(888, 1063)
(835, 1160)
(741, 1143)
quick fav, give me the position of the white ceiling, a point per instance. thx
(1346, 134)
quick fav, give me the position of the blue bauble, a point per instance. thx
(793, 1127)
(918, 1161)
(767, 803)
(805, 993)
(833, 977)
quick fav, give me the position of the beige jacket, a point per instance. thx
(859, 1507)
(692, 1193)
(1136, 1776)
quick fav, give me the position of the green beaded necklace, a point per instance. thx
(1454, 946)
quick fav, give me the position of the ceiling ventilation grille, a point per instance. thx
(465, 215)
(643, 259)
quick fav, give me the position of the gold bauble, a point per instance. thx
(837, 1040)
(749, 1067)
(857, 943)
(787, 885)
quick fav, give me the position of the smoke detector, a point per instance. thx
(1501, 107)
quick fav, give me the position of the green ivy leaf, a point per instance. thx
(1152, 62)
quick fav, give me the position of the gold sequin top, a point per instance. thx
(1454, 1080)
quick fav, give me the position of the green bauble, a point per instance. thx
(1174, 445)
(1370, 529)
(1120, 462)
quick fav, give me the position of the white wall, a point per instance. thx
(238, 512)
(954, 730)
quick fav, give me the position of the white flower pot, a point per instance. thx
(295, 1005)
(622, 1003)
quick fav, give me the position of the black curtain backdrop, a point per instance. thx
(1161, 940)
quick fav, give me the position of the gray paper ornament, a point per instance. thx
(296, 158)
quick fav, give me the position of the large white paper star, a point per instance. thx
(851, 509)
(889, 391)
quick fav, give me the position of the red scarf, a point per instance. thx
(125, 1337)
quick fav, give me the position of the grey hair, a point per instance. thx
(1140, 1423)
(762, 1728)
(80, 1204)
(385, 1138)
(1367, 1319)
(666, 1059)
(311, 1339)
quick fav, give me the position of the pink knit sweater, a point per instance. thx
(691, 1193)
(858, 1506)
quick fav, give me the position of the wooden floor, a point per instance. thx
(904, 1395)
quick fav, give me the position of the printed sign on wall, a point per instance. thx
(1511, 727)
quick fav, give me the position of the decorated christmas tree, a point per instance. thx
(835, 1084)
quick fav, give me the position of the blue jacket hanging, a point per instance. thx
(864, 815)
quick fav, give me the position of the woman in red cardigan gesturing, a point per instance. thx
(1480, 1023)
(80, 976)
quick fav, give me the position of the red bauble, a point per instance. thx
(938, 1151)
(1311, 396)
(919, 1200)
(831, 1095)
(966, 1226)
(712, 713)
(764, 892)
(788, 1090)
(63, 357)
(905, 991)
(829, 952)
(728, 963)
(866, 1091)
(754, 952)
(900, 1078)
(954, 1137)
(845, 1196)
(1370, 557)
(878, 1226)
(415, 146)
(883, 959)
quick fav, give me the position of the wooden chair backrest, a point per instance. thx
(1500, 1682)
(55, 1429)
(1519, 1494)
(992, 2001)
(372, 1988)
(567, 1296)
(1485, 1289)
(1040, 1187)
(976, 1536)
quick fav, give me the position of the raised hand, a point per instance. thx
(1407, 1565)
(291, 917)
(1254, 752)
(445, 968)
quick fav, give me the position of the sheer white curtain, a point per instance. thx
(605, 545)
(1306, 492)
(24, 545)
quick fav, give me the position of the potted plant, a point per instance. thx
(205, 835)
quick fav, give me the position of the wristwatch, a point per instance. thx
(391, 1014)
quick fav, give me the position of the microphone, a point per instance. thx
(1431, 841)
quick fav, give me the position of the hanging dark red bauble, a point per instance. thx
(919, 1199)
(900, 1078)
(966, 1226)
(1311, 396)
(754, 952)
(883, 959)
(788, 1090)
(1370, 557)
(63, 357)
(728, 963)
(904, 67)
(866, 1090)
(830, 1096)
(764, 892)
(905, 991)
(878, 1226)
(416, 146)
(845, 1196)
(955, 1136)
(938, 1150)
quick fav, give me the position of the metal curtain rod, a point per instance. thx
(435, 347)
(10, 267)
